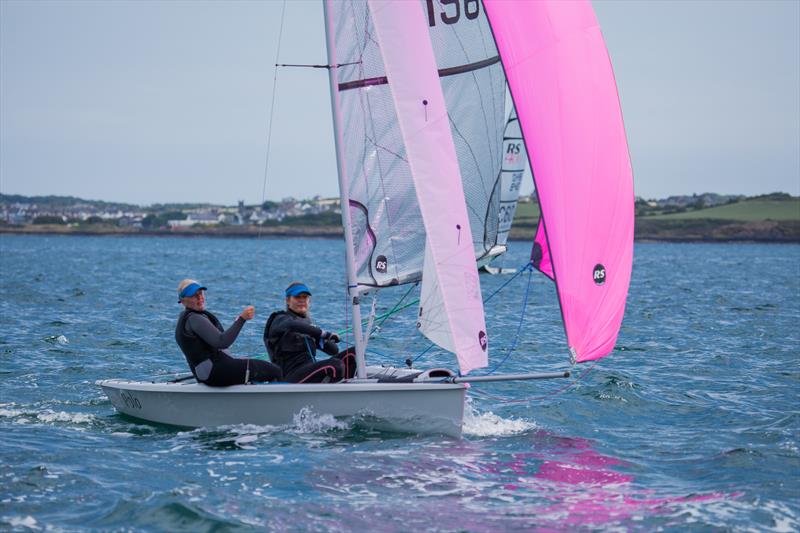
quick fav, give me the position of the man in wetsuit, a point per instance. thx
(292, 342)
(204, 342)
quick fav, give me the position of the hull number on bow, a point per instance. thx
(452, 11)
(131, 401)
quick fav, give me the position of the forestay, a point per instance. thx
(561, 80)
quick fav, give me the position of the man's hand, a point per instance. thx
(248, 313)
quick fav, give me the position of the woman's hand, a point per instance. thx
(248, 313)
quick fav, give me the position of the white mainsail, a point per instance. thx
(449, 273)
(385, 221)
(389, 231)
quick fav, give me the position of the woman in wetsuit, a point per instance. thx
(204, 342)
(292, 342)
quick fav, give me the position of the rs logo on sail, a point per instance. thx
(599, 274)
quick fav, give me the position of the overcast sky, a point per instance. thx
(150, 102)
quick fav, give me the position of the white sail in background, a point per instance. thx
(515, 161)
(450, 279)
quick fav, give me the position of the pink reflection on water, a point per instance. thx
(556, 484)
(580, 487)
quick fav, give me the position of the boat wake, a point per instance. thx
(307, 421)
(491, 425)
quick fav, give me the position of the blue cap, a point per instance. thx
(296, 289)
(191, 289)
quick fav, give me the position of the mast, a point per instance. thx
(344, 195)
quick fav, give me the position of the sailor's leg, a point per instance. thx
(227, 371)
(326, 371)
(348, 359)
(264, 371)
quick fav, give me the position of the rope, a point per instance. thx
(371, 318)
(423, 352)
(526, 267)
(271, 113)
(346, 332)
(521, 319)
(395, 309)
(384, 316)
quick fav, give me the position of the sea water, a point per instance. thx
(692, 423)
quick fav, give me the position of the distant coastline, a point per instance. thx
(708, 217)
(695, 230)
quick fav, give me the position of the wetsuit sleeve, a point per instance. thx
(285, 323)
(203, 328)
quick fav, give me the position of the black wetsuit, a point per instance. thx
(292, 342)
(203, 341)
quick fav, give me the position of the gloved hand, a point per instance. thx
(327, 336)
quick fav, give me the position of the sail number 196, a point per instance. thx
(451, 11)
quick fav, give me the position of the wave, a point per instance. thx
(47, 416)
(489, 424)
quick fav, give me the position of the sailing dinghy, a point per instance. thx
(406, 88)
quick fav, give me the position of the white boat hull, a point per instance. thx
(496, 271)
(493, 254)
(430, 408)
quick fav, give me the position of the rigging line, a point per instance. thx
(556, 392)
(271, 111)
(396, 309)
(371, 318)
(423, 352)
(346, 332)
(381, 317)
(568, 385)
(385, 316)
(526, 266)
(519, 326)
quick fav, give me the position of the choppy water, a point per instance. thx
(692, 424)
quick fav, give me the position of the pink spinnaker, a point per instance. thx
(450, 282)
(563, 87)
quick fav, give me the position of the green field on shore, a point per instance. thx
(526, 214)
(745, 211)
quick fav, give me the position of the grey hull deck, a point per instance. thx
(430, 408)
